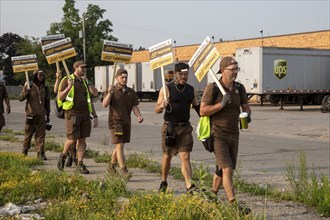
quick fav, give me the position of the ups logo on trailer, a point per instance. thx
(280, 68)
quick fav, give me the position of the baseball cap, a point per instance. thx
(225, 62)
(79, 63)
(181, 67)
(120, 72)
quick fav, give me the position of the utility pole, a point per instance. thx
(84, 36)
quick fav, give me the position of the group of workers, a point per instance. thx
(74, 96)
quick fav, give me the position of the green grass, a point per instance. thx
(307, 187)
(74, 197)
(19, 184)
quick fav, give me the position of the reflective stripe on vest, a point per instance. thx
(68, 103)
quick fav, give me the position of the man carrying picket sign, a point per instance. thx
(59, 112)
(74, 97)
(224, 113)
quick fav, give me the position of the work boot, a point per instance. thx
(81, 168)
(61, 161)
(111, 168)
(125, 174)
(242, 208)
(69, 161)
(162, 187)
(42, 156)
(25, 151)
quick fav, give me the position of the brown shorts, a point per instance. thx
(78, 126)
(2, 120)
(124, 138)
(183, 140)
(226, 149)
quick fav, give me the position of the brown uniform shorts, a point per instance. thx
(78, 126)
(2, 120)
(124, 138)
(183, 139)
(226, 149)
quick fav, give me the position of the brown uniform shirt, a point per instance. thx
(36, 102)
(121, 106)
(226, 120)
(80, 104)
(3, 95)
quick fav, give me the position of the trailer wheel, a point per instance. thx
(274, 99)
(318, 99)
(325, 104)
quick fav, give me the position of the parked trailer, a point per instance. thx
(285, 75)
(104, 75)
(145, 81)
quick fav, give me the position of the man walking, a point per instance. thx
(121, 100)
(176, 130)
(224, 113)
(3, 98)
(74, 97)
(37, 108)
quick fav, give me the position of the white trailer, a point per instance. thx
(104, 76)
(145, 81)
(289, 75)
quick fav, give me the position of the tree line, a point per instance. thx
(97, 29)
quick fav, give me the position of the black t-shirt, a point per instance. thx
(181, 97)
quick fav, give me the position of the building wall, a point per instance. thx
(317, 40)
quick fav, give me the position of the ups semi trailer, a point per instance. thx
(285, 75)
(145, 81)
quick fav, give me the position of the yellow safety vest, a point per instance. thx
(68, 103)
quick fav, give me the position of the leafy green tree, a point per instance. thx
(97, 29)
(8, 49)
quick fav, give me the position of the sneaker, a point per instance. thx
(125, 174)
(61, 161)
(69, 161)
(191, 189)
(81, 168)
(111, 168)
(162, 187)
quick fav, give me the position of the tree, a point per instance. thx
(8, 49)
(97, 29)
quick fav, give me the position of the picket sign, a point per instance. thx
(25, 63)
(202, 61)
(161, 55)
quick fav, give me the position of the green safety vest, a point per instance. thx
(68, 103)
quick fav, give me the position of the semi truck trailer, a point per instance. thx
(285, 75)
(278, 75)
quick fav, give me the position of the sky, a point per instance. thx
(146, 23)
